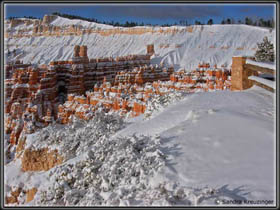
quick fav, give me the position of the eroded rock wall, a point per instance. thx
(40, 160)
(46, 28)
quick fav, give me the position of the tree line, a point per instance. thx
(113, 23)
(248, 21)
(269, 23)
(28, 17)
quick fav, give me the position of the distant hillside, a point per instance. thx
(182, 46)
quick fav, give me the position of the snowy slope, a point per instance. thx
(61, 21)
(221, 139)
(224, 140)
(214, 44)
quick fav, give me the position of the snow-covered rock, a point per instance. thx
(186, 48)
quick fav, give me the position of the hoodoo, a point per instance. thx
(77, 87)
(150, 49)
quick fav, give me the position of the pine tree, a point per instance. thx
(265, 51)
(228, 21)
(248, 21)
(210, 22)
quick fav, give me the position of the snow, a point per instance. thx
(187, 149)
(266, 82)
(216, 145)
(270, 65)
(220, 139)
(61, 21)
(20, 86)
(194, 46)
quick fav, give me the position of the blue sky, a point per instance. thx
(147, 13)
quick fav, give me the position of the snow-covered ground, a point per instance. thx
(215, 44)
(222, 139)
(206, 147)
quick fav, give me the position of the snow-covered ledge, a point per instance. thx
(269, 65)
(266, 82)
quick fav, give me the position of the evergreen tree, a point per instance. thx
(261, 23)
(255, 23)
(248, 21)
(265, 51)
(228, 21)
(269, 24)
(210, 22)
(117, 24)
(272, 23)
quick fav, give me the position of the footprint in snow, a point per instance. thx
(211, 111)
(192, 115)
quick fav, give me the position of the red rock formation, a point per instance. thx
(45, 28)
(77, 51)
(33, 94)
(30, 194)
(14, 196)
(40, 160)
(47, 19)
(83, 51)
(138, 108)
(150, 49)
